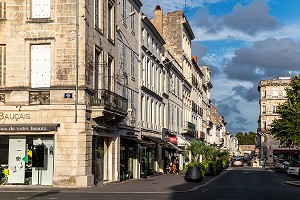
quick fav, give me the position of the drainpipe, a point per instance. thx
(76, 65)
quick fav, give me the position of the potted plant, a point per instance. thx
(194, 170)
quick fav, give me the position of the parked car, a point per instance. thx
(281, 165)
(237, 161)
(294, 167)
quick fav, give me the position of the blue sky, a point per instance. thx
(243, 42)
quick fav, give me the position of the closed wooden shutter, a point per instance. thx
(40, 66)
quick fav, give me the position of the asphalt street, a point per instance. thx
(236, 183)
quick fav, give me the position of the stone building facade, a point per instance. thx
(59, 93)
(272, 93)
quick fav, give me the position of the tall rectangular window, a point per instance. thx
(123, 58)
(284, 94)
(132, 96)
(264, 110)
(99, 8)
(263, 94)
(124, 11)
(132, 19)
(264, 125)
(110, 69)
(2, 10)
(40, 8)
(132, 64)
(2, 65)
(40, 65)
(275, 109)
(275, 94)
(111, 20)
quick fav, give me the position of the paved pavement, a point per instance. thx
(166, 183)
(287, 179)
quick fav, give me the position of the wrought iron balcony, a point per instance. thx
(110, 101)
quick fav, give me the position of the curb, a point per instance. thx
(293, 183)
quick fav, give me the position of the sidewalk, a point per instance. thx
(167, 183)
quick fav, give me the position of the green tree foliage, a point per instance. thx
(287, 127)
(246, 138)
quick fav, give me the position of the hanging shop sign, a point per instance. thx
(28, 127)
(173, 139)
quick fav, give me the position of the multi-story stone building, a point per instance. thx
(206, 103)
(272, 93)
(127, 70)
(59, 92)
(215, 138)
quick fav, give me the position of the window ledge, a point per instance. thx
(39, 20)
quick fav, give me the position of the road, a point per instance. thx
(237, 184)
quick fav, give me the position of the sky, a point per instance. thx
(243, 42)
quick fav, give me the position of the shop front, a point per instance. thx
(27, 154)
(129, 156)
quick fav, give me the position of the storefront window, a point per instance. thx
(26, 164)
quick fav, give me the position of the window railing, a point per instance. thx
(110, 100)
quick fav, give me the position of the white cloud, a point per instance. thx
(289, 30)
(173, 5)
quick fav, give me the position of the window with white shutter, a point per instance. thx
(40, 8)
(275, 94)
(2, 65)
(2, 10)
(40, 65)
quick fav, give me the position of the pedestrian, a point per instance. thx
(177, 165)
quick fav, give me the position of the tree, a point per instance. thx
(240, 137)
(196, 149)
(287, 127)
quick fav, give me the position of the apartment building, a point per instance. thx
(272, 93)
(59, 92)
(127, 70)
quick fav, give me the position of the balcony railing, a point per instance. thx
(110, 100)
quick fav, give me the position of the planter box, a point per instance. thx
(193, 174)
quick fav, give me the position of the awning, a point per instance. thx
(133, 139)
(157, 140)
(173, 146)
(285, 151)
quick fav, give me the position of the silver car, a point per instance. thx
(281, 165)
(237, 161)
(294, 168)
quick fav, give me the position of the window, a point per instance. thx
(123, 58)
(2, 10)
(2, 65)
(111, 20)
(284, 95)
(264, 125)
(40, 9)
(124, 12)
(275, 109)
(263, 94)
(132, 64)
(110, 69)
(275, 94)
(96, 74)
(99, 14)
(40, 65)
(132, 19)
(132, 103)
(264, 110)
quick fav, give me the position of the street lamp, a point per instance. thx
(130, 15)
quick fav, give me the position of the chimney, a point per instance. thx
(195, 58)
(158, 19)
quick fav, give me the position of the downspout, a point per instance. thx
(76, 65)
